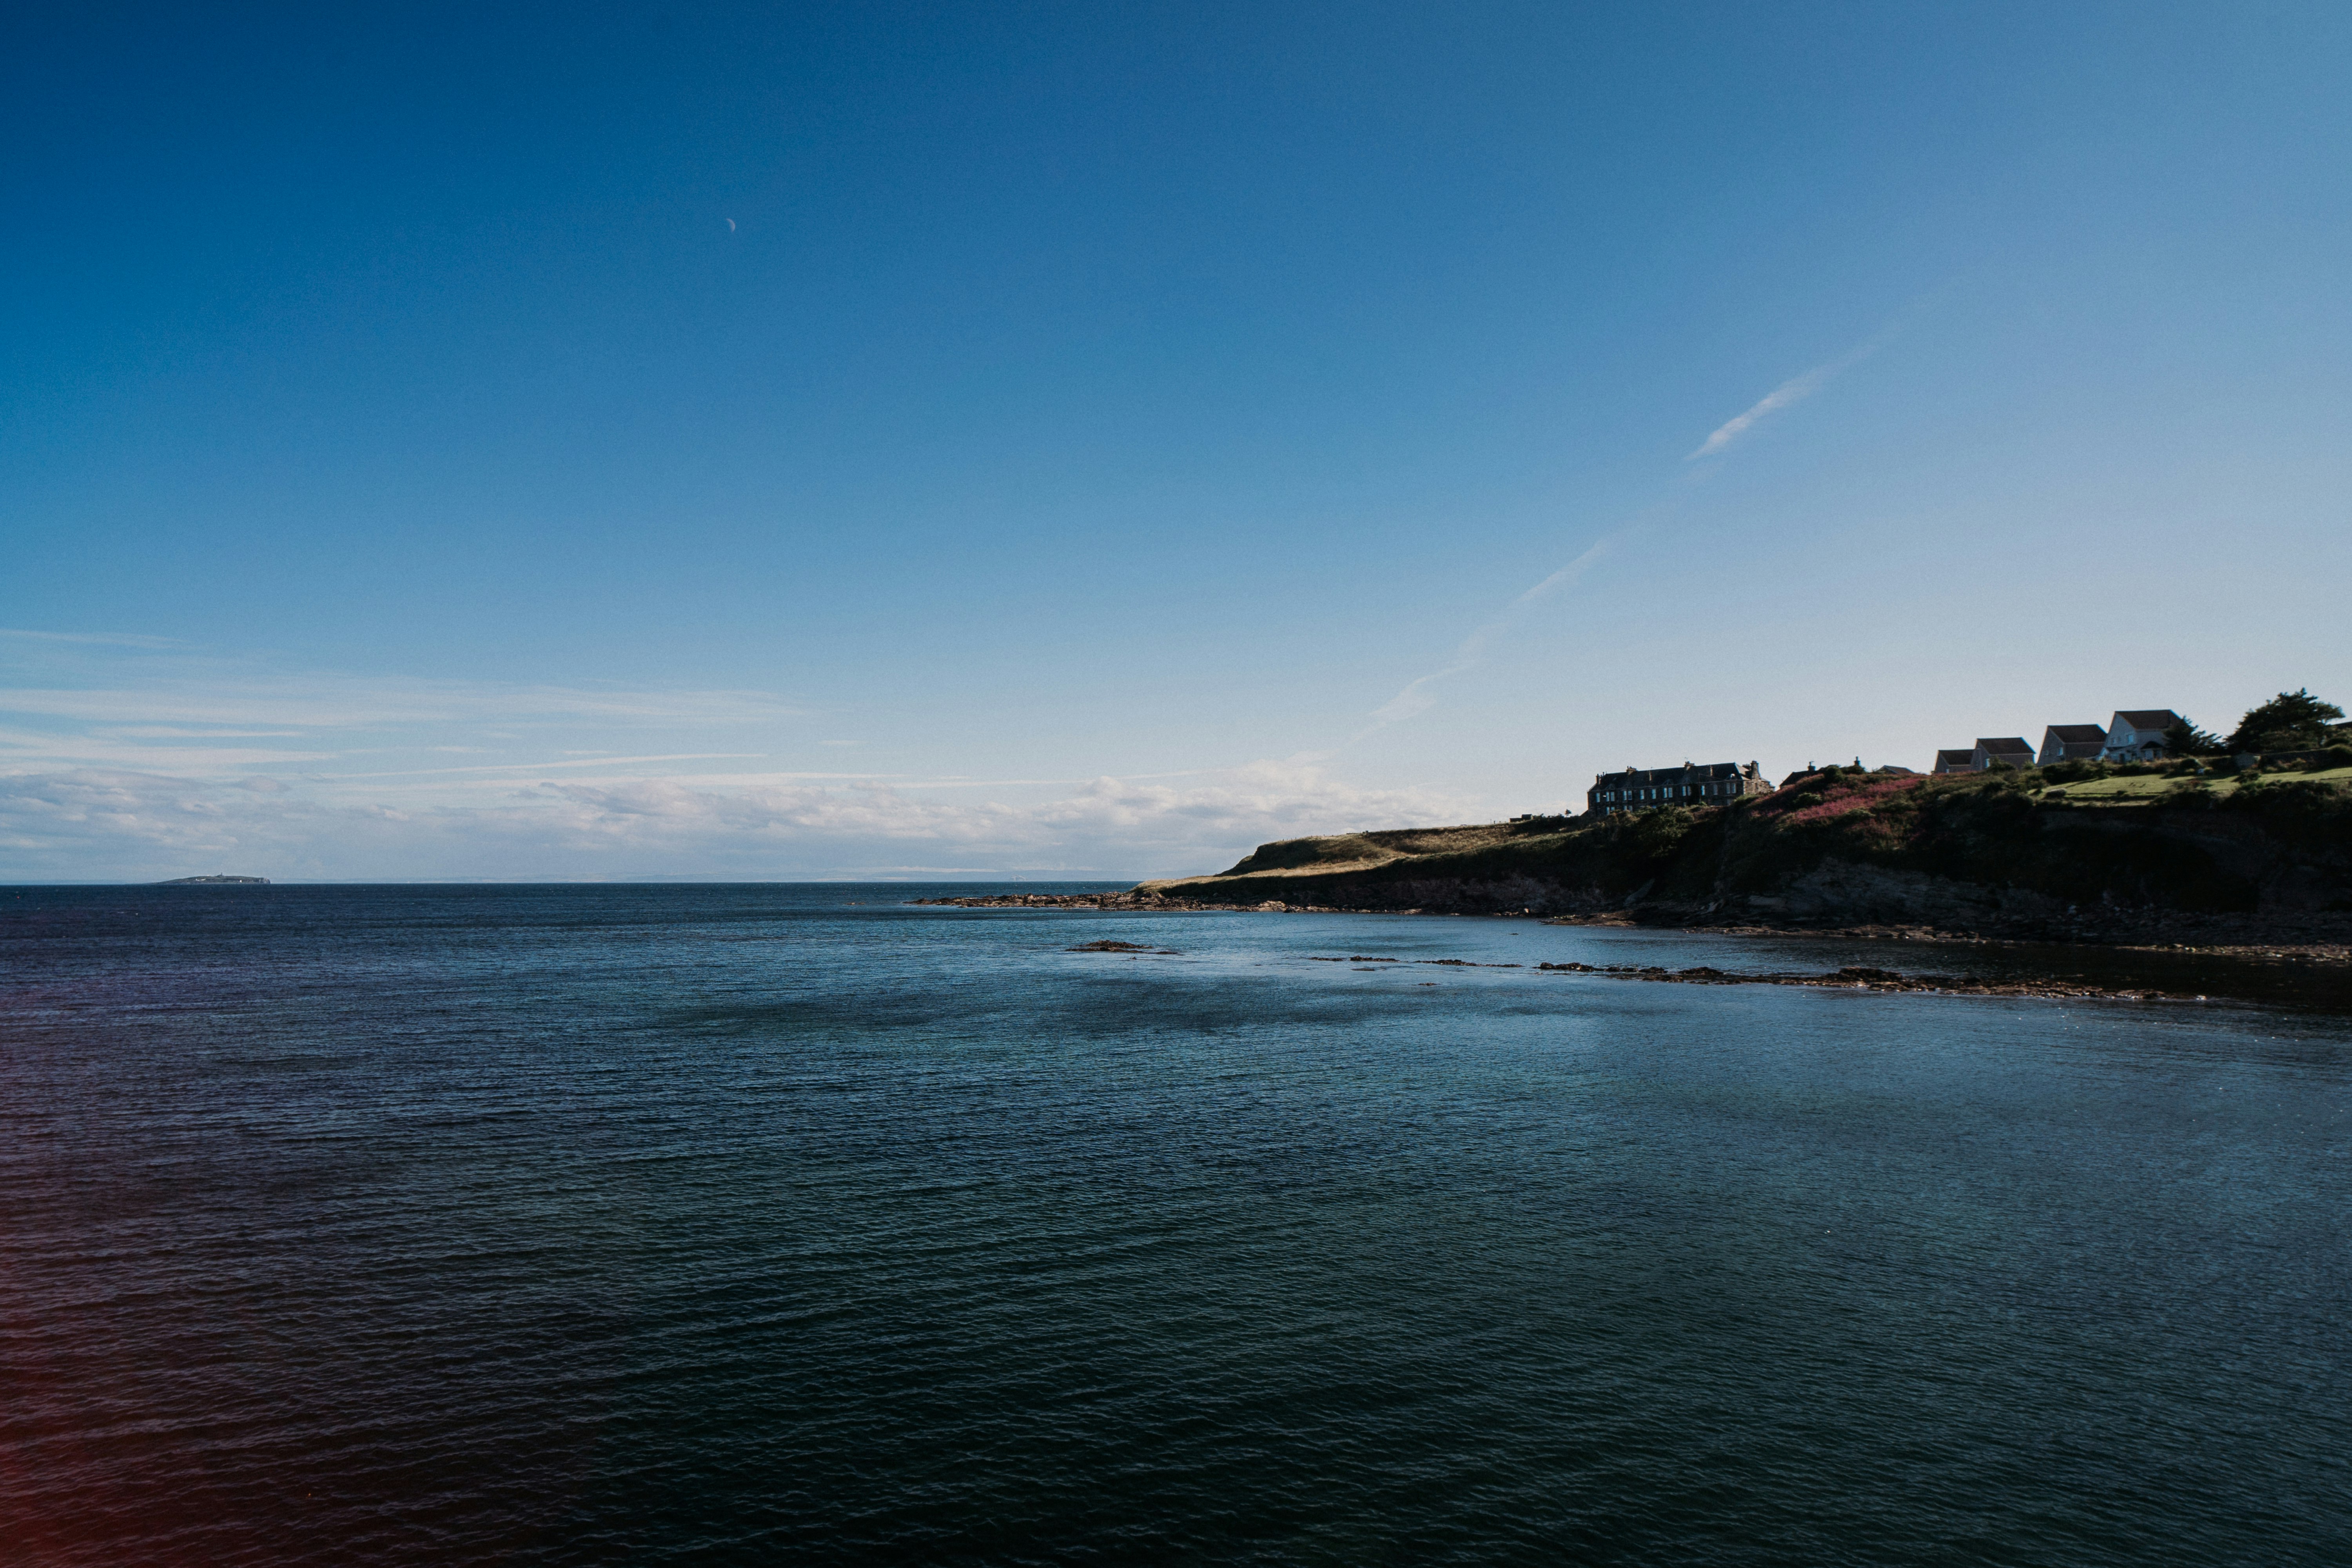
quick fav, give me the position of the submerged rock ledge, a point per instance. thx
(1850, 977)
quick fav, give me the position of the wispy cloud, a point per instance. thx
(543, 767)
(101, 639)
(324, 700)
(115, 702)
(33, 748)
(1787, 395)
(93, 823)
(137, 764)
(1420, 694)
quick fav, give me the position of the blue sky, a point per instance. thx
(1072, 441)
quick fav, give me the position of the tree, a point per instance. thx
(2185, 740)
(2290, 721)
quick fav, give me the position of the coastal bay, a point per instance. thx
(554, 1222)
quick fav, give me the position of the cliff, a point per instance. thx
(2073, 852)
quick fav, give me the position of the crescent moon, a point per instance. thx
(730, 225)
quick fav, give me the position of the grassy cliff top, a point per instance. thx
(1345, 852)
(2151, 786)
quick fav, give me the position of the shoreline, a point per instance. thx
(2315, 975)
(2291, 948)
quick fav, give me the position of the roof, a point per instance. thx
(2003, 744)
(1953, 754)
(2148, 718)
(2076, 732)
(1656, 775)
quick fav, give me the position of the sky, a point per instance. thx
(1037, 441)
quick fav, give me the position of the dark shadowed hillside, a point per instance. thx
(2073, 850)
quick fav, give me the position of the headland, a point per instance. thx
(2158, 855)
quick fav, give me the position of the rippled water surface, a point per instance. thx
(790, 1224)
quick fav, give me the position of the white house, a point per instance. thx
(2137, 733)
(2062, 741)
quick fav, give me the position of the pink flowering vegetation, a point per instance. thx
(1820, 797)
(1887, 818)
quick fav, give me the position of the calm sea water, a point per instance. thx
(715, 1225)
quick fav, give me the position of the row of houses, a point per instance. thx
(2133, 735)
(1693, 783)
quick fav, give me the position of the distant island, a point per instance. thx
(2171, 852)
(216, 881)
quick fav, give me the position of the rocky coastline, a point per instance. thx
(2324, 938)
(2191, 892)
(2191, 981)
(1978, 857)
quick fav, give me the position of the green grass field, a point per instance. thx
(2149, 785)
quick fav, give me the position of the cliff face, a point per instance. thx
(2007, 854)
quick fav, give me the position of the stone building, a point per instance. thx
(1693, 783)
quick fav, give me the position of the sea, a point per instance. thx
(684, 1224)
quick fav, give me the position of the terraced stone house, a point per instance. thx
(1693, 783)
